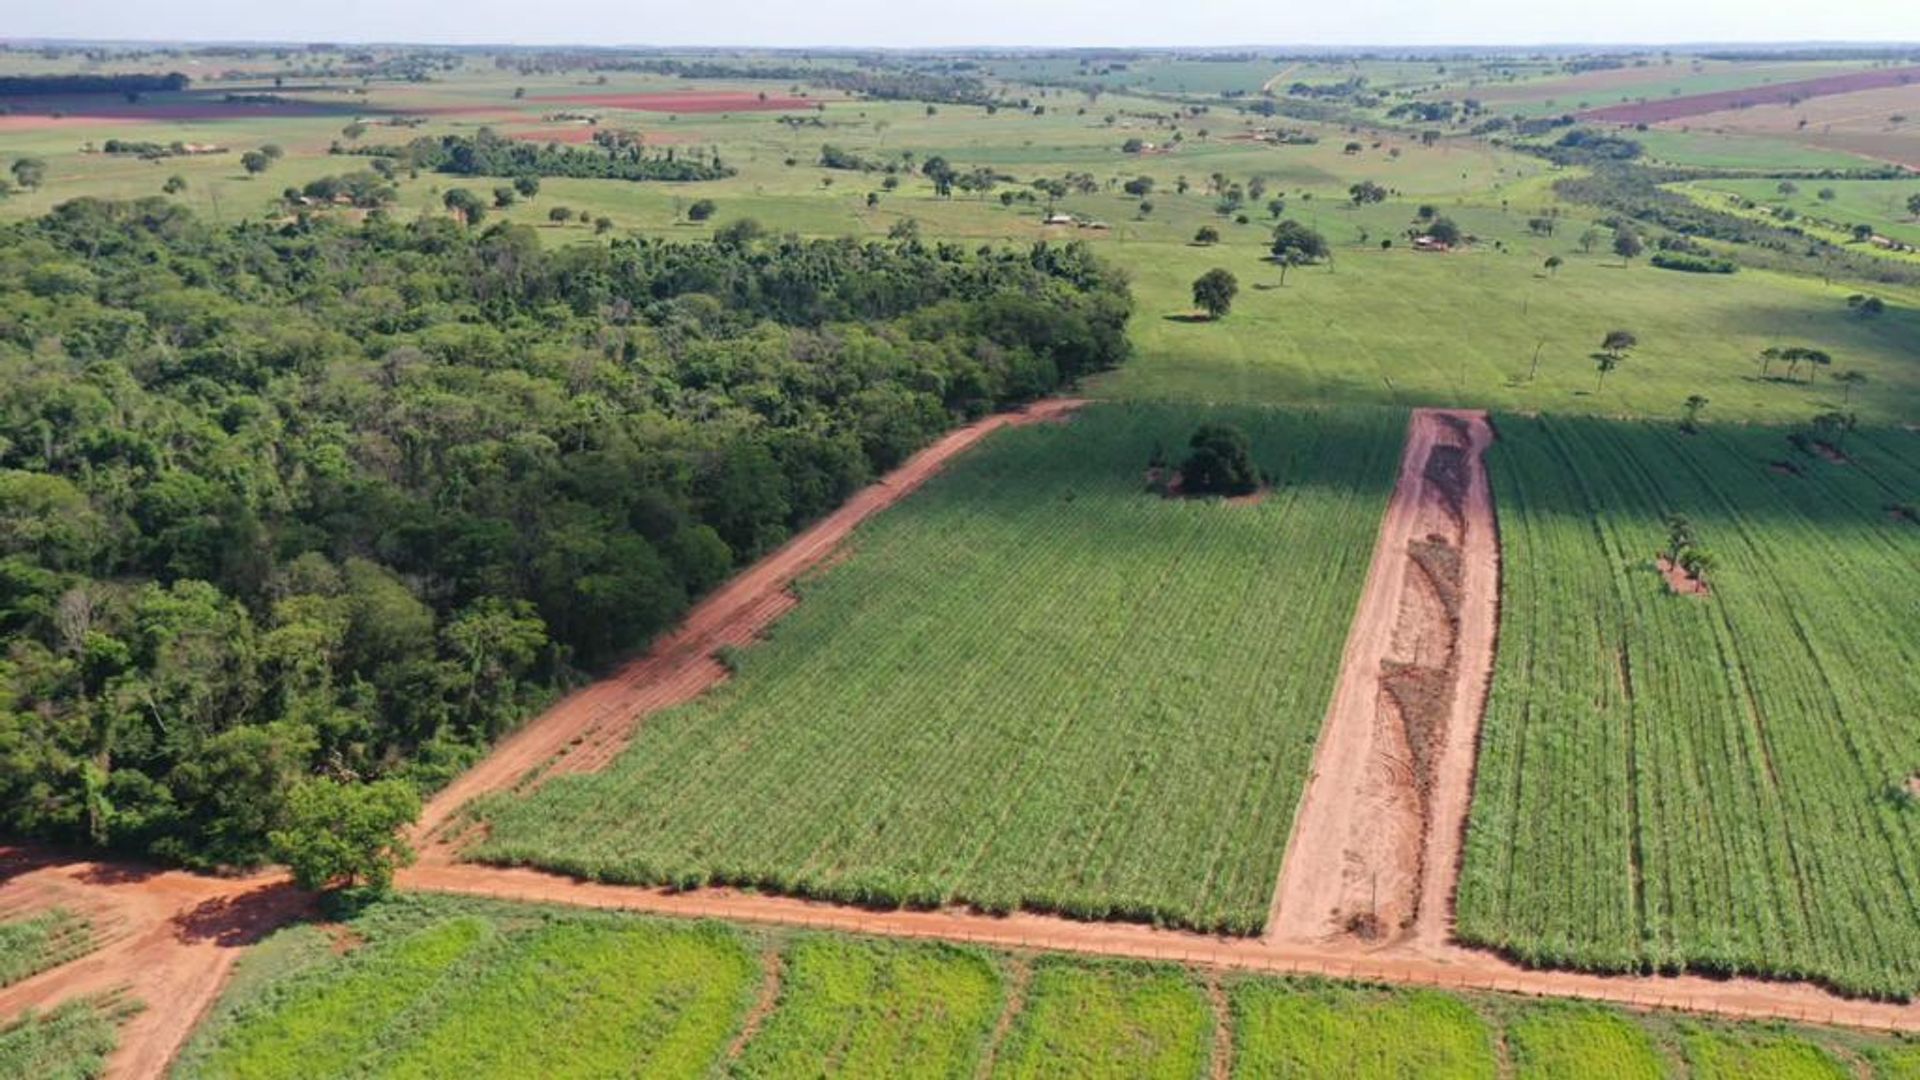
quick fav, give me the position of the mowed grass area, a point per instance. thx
(1035, 684)
(1723, 783)
(318, 1000)
(30, 944)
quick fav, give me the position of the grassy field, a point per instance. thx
(1706, 149)
(1879, 203)
(860, 1008)
(1326, 1029)
(1721, 783)
(307, 1002)
(1033, 629)
(425, 989)
(70, 1042)
(33, 943)
(1108, 1021)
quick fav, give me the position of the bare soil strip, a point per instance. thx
(1373, 856)
(1019, 975)
(1221, 1066)
(770, 971)
(589, 727)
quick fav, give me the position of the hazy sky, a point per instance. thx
(973, 22)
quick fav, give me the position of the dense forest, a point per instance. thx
(349, 500)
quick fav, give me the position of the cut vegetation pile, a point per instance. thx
(1708, 782)
(1034, 685)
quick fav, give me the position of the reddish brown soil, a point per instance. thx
(1222, 1063)
(762, 1005)
(177, 936)
(1678, 580)
(587, 728)
(697, 101)
(1373, 855)
(1653, 112)
(1019, 977)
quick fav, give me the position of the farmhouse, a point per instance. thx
(1428, 243)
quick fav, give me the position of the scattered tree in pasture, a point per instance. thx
(1588, 238)
(1627, 244)
(175, 184)
(702, 209)
(528, 185)
(559, 215)
(346, 835)
(1220, 462)
(1366, 191)
(1445, 231)
(1787, 189)
(1604, 362)
(1553, 264)
(255, 162)
(1866, 306)
(1618, 342)
(504, 196)
(602, 225)
(1695, 562)
(1913, 204)
(1213, 292)
(1849, 379)
(273, 151)
(1694, 404)
(1679, 536)
(906, 229)
(354, 130)
(1826, 194)
(1295, 244)
(1206, 234)
(1276, 207)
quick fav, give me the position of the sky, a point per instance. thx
(920, 23)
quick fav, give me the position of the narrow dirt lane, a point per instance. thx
(588, 727)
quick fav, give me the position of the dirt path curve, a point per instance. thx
(174, 937)
(1373, 856)
(588, 727)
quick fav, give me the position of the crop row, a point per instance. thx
(1719, 783)
(1036, 684)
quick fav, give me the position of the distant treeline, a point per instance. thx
(51, 85)
(488, 154)
(888, 85)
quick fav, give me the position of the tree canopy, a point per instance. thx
(1220, 462)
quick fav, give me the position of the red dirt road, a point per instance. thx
(587, 728)
(171, 939)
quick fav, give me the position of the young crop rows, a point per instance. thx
(434, 986)
(1721, 782)
(1035, 684)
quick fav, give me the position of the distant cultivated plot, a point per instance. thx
(1673, 108)
(1727, 782)
(1035, 684)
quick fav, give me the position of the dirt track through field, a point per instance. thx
(1373, 856)
(172, 937)
(589, 727)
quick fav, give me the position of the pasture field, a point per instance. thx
(1879, 203)
(307, 1002)
(1113, 1021)
(1722, 783)
(30, 944)
(849, 1007)
(70, 1042)
(427, 989)
(1663, 77)
(1329, 1029)
(998, 699)
(1697, 147)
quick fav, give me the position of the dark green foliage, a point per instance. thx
(346, 835)
(487, 154)
(131, 83)
(1692, 264)
(353, 498)
(1221, 462)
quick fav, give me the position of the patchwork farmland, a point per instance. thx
(745, 496)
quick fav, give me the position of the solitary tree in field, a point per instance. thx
(1679, 536)
(1696, 562)
(528, 186)
(1617, 342)
(1206, 234)
(1767, 356)
(1213, 292)
(1366, 191)
(1694, 404)
(1627, 245)
(1296, 245)
(1587, 239)
(1444, 230)
(255, 162)
(1221, 462)
(175, 184)
(1913, 204)
(1849, 379)
(1604, 362)
(1553, 264)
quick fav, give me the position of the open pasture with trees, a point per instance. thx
(1726, 780)
(1037, 683)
